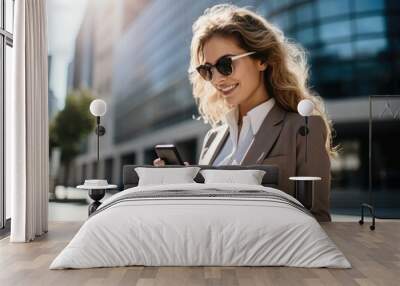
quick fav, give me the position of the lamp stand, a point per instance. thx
(100, 131)
(304, 132)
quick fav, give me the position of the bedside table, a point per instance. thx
(97, 190)
(304, 190)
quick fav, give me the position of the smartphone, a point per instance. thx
(169, 154)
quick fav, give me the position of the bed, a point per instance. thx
(201, 224)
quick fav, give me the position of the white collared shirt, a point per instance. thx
(236, 148)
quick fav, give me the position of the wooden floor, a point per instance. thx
(374, 255)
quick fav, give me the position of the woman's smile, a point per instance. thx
(226, 90)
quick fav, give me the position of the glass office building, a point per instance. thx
(353, 44)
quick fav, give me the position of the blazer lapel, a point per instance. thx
(214, 146)
(266, 136)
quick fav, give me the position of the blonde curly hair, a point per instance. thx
(285, 77)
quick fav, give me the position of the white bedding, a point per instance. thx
(182, 231)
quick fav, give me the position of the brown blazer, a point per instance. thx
(278, 142)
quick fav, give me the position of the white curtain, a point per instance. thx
(27, 124)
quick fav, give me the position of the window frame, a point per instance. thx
(6, 39)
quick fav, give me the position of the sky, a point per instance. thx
(64, 18)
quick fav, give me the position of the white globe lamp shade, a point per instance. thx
(98, 107)
(305, 107)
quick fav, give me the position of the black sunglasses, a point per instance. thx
(223, 66)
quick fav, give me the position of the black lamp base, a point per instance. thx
(304, 192)
(96, 195)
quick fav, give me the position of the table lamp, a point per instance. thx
(305, 109)
(98, 108)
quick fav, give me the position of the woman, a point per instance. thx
(247, 81)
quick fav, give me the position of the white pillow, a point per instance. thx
(162, 176)
(249, 177)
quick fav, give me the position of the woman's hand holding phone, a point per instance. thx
(159, 162)
(168, 155)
